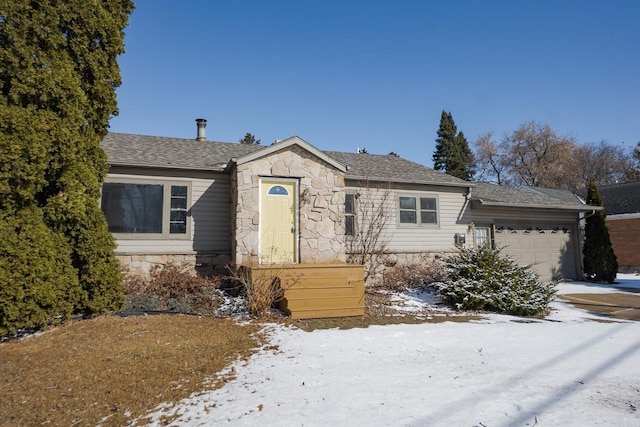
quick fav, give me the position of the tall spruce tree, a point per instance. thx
(452, 154)
(600, 262)
(58, 75)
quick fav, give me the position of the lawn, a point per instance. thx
(114, 369)
(118, 370)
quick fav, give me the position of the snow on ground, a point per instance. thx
(504, 371)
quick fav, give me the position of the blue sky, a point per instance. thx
(377, 74)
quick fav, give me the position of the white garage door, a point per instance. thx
(548, 247)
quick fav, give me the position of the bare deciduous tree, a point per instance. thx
(372, 213)
(538, 156)
(603, 163)
(633, 171)
(491, 163)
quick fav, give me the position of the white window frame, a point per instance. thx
(166, 208)
(418, 210)
(489, 236)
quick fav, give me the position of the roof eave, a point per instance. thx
(583, 208)
(164, 166)
(409, 181)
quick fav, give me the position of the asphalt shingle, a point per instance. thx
(181, 153)
(530, 197)
(621, 198)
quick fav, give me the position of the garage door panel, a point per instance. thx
(542, 243)
(527, 244)
(549, 248)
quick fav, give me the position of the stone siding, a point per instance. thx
(204, 264)
(321, 205)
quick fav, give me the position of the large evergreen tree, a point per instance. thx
(452, 154)
(58, 75)
(600, 263)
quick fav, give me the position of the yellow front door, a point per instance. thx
(278, 221)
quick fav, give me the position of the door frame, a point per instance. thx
(296, 215)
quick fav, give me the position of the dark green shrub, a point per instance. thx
(482, 279)
(600, 262)
(38, 286)
(58, 73)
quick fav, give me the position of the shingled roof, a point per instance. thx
(531, 197)
(393, 169)
(180, 153)
(621, 198)
(174, 153)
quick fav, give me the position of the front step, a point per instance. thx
(319, 290)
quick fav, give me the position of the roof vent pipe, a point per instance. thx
(202, 125)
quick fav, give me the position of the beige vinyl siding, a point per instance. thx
(404, 238)
(209, 213)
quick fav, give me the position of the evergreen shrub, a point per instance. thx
(38, 286)
(600, 262)
(482, 279)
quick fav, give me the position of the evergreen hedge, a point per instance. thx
(38, 284)
(58, 75)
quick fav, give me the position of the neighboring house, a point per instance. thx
(622, 205)
(212, 203)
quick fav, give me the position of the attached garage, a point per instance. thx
(536, 226)
(550, 248)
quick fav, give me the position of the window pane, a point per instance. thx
(349, 203)
(350, 228)
(482, 236)
(133, 208)
(428, 203)
(407, 217)
(407, 202)
(178, 215)
(428, 217)
(278, 190)
(179, 190)
(178, 223)
(178, 203)
(178, 197)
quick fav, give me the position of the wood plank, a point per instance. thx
(309, 293)
(318, 290)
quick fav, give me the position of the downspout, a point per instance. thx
(467, 199)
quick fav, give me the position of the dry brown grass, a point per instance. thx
(365, 321)
(115, 369)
